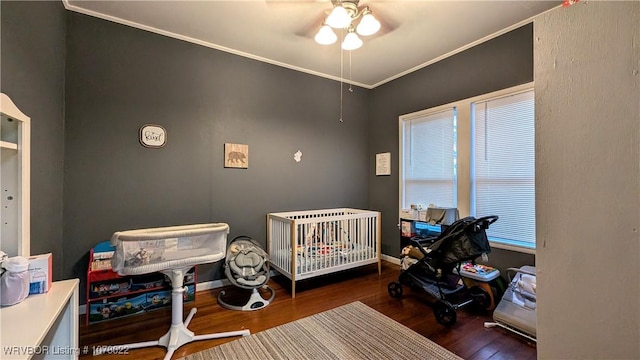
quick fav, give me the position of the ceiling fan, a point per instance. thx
(346, 18)
(347, 15)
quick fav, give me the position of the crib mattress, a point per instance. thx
(315, 259)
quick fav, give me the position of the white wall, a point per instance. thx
(587, 82)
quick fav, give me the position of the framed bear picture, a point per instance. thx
(236, 156)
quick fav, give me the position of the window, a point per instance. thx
(503, 166)
(478, 155)
(428, 165)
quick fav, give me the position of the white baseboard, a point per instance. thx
(208, 285)
(391, 259)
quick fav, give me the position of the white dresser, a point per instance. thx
(43, 326)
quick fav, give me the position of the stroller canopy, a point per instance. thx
(464, 240)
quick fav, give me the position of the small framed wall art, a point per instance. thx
(383, 164)
(153, 136)
(236, 156)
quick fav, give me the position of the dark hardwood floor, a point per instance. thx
(467, 337)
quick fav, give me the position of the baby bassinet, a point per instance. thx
(436, 267)
(172, 251)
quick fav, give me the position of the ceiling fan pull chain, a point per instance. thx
(350, 88)
(341, 77)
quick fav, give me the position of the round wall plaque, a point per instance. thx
(153, 136)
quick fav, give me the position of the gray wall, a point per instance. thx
(32, 75)
(119, 78)
(587, 79)
(494, 65)
(588, 126)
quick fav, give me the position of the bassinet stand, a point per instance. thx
(175, 268)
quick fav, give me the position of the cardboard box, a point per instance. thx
(409, 214)
(407, 228)
(40, 273)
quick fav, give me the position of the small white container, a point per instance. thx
(14, 283)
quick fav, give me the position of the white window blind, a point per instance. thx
(429, 159)
(503, 167)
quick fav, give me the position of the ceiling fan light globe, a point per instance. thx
(325, 36)
(351, 41)
(339, 18)
(369, 25)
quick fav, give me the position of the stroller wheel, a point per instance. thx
(395, 289)
(445, 313)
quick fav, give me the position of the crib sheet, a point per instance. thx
(315, 258)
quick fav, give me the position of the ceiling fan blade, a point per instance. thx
(387, 24)
(312, 26)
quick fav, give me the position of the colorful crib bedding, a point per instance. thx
(318, 257)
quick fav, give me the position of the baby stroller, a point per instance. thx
(435, 268)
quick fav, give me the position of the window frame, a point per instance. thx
(401, 169)
(413, 116)
(513, 180)
(464, 143)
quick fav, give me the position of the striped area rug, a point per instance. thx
(352, 331)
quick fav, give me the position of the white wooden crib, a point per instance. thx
(305, 244)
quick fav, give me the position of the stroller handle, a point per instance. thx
(486, 221)
(477, 224)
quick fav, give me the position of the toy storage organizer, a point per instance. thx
(305, 244)
(110, 296)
